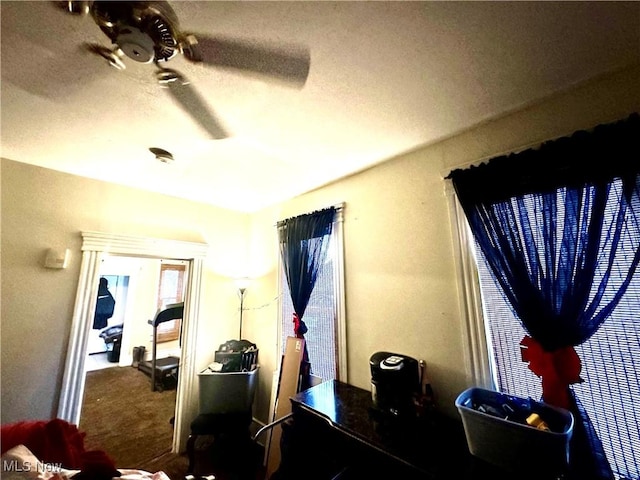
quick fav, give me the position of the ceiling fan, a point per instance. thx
(149, 32)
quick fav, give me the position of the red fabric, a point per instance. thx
(296, 326)
(558, 370)
(57, 441)
(299, 328)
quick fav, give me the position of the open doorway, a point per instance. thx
(119, 345)
(97, 246)
(140, 288)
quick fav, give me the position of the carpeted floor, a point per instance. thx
(122, 416)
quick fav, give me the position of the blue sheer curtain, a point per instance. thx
(549, 222)
(304, 242)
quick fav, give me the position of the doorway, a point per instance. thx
(117, 388)
(140, 287)
(97, 246)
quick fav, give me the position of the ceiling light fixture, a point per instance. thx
(162, 155)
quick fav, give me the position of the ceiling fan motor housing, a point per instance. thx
(144, 31)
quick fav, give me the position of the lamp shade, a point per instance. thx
(242, 283)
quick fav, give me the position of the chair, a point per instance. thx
(220, 440)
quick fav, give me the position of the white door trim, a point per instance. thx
(94, 246)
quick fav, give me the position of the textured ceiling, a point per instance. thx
(385, 78)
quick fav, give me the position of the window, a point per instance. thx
(170, 290)
(324, 315)
(610, 361)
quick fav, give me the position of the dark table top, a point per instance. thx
(420, 442)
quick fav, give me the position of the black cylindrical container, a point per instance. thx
(113, 355)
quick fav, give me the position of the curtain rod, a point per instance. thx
(533, 145)
(487, 158)
(338, 206)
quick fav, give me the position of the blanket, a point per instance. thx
(19, 463)
(57, 442)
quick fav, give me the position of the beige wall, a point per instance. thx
(400, 270)
(42, 208)
(401, 284)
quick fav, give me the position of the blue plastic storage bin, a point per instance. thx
(512, 445)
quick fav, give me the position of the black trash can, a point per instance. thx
(113, 353)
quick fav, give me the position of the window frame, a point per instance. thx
(337, 251)
(170, 331)
(479, 362)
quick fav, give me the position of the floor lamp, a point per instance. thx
(242, 284)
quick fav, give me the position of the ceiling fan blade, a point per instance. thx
(191, 102)
(290, 64)
(112, 56)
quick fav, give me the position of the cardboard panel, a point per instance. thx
(287, 387)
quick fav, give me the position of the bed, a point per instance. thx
(54, 449)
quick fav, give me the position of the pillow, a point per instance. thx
(19, 463)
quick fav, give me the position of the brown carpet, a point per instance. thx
(122, 416)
